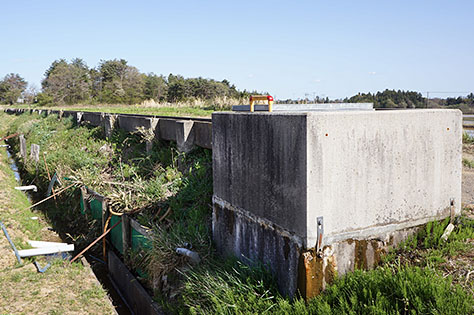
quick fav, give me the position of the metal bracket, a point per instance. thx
(320, 233)
(451, 209)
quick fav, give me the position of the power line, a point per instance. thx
(449, 92)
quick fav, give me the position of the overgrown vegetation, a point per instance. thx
(173, 192)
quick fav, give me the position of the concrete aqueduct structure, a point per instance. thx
(314, 193)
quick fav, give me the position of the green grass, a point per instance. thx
(137, 109)
(468, 163)
(466, 138)
(390, 289)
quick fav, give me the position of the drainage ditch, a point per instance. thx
(98, 266)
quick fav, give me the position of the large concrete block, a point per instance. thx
(370, 177)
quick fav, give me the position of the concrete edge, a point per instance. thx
(133, 292)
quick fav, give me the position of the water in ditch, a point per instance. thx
(98, 267)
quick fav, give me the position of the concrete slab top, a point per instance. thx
(336, 112)
(307, 107)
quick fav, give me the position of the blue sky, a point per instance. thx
(288, 48)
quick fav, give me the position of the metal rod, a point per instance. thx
(51, 196)
(10, 136)
(97, 239)
(11, 243)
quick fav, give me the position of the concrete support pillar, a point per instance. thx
(109, 124)
(79, 117)
(152, 133)
(184, 135)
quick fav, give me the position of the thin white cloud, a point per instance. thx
(372, 73)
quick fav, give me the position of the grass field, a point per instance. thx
(185, 111)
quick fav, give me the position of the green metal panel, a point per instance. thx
(139, 240)
(116, 234)
(96, 209)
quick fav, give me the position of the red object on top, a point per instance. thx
(270, 98)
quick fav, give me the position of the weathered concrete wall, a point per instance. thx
(372, 177)
(252, 238)
(259, 164)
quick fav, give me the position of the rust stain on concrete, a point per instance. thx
(360, 254)
(310, 274)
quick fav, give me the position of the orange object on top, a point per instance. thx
(254, 98)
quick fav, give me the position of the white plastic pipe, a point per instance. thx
(46, 250)
(189, 253)
(25, 188)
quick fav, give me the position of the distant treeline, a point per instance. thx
(390, 99)
(409, 99)
(112, 82)
(398, 99)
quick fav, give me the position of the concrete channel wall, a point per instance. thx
(186, 132)
(315, 193)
